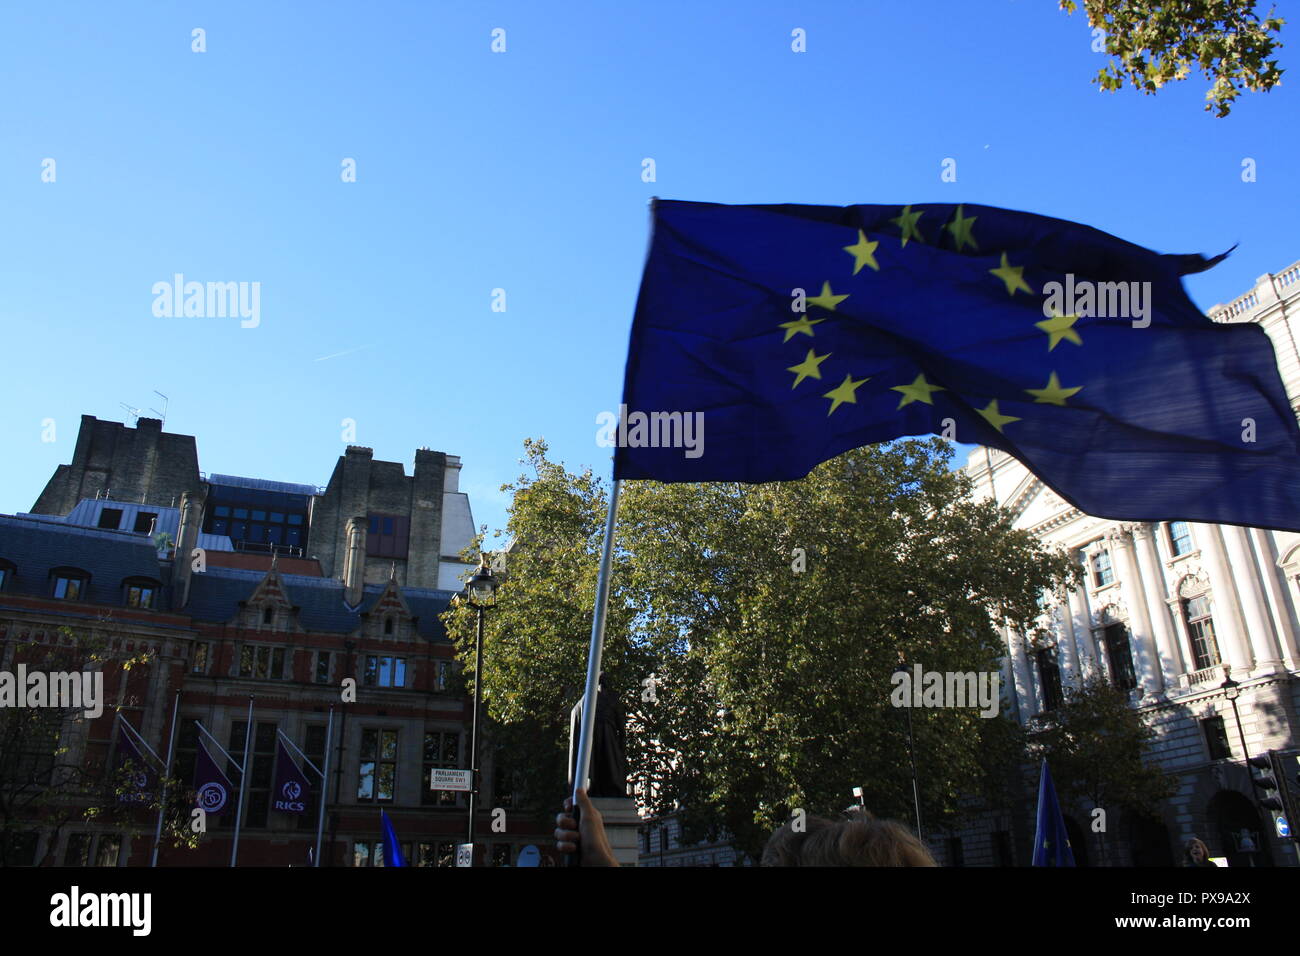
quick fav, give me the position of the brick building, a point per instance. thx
(242, 588)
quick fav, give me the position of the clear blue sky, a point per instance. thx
(522, 171)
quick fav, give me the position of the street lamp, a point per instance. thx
(1232, 690)
(480, 594)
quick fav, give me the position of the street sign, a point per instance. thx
(1283, 827)
(464, 854)
(443, 779)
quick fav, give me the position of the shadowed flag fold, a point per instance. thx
(768, 339)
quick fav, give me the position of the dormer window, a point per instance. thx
(388, 625)
(70, 584)
(141, 593)
(268, 614)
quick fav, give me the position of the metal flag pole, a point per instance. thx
(583, 768)
(243, 781)
(320, 821)
(167, 772)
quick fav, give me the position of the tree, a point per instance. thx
(1156, 41)
(1094, 743)
(771, 618)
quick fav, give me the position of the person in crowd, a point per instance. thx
(1196, 853)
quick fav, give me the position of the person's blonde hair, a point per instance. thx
(860, 841)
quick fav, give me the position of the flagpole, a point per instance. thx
(167, 772)
(243, 781)
(594, 653)
(324, 777)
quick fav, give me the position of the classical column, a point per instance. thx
(1275, 589)
(1155, 593)
(1066, 644)
(1228, 628)
(1130, 582)
(1081, 621)
(1026, 692)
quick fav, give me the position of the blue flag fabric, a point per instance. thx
(140, 780)
(1076, 352)
(291, 785)
(1051, 842)
(392, 849)
(212, 787)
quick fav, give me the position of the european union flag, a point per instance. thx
(768, 339)
(1051, 842)
(392, 848)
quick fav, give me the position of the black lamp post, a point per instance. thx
(1232, 690)
(481, 594)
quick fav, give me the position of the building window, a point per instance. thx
(322, 667)
(144, 521)
(444, 674)
(258, 797)
(77, 852)
(110, 847)
(441, 749)
(70, 585)
(500, 854)
(268, 614)
(1216, 738)
(378, 775)
(1120, 656)
(388, 625)
(1102, 574)
(1180, 538)
(363, 853)
(313, 747)
(6, 572)
(503, 782)
(258, 660)
(436, 854)
(110, 518)
(202, 657)
(388, 536)
(385, 671)
(141, 594)
(1049, 677)
(1200, 629)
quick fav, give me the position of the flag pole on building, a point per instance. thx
(324, 777)
(167, 772)
(583, 768)
(243, 782)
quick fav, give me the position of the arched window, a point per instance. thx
(388, 625)
(268, 614)
(141, 592)
(69, 584)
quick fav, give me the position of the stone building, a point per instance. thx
(242, 589)
(1168, 611)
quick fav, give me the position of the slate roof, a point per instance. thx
(36, 546)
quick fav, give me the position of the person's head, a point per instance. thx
(861, 840)
(1197, 851)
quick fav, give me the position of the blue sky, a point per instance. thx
(518, 171)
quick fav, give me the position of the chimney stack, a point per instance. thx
(187, 539)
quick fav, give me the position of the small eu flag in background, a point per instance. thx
(392, 849)
(1051, 842)
(1076, 352)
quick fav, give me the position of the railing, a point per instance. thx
(1272, 283)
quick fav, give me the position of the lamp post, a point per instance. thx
(911, 753)
(481, 593)
(1232, 690)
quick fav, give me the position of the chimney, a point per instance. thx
(354, 563)
(187, 539)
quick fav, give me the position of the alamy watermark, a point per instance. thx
(74, 690)
(1106, 300)
(921, 688)
(652, 430)
(208, 300)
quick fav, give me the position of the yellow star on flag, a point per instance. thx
(918, 391)
(826, 300)
(1052, 394)
(1013, 276)
(844, 392)
(995, 417)
(1060, 327)
(802, 324)
(863, 253)
(960, 228)
(906, 221)
(809, 367)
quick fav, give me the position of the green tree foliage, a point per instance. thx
(1095, 743)
(772, 617)
(1155, 41)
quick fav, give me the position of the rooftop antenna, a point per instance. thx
(132, 411)
(163, 414)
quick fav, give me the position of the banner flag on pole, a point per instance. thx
(291, 785)
(212, 786)
(1051, 842)
(392, 849)
(768, 339)
(143, 780)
